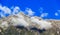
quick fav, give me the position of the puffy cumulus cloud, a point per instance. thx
(44, 15)
(30, 12)
(56, 14)
(5, 9)
(16, 10)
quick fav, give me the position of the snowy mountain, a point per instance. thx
(26, 21)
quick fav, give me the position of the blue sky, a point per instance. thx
(38, 6)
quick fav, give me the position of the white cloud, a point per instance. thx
(5, 9)
(56, 14)
(30, 12)
(16, 10)
(44, 14)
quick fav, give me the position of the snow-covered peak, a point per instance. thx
(21, 19)
(43, 24)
